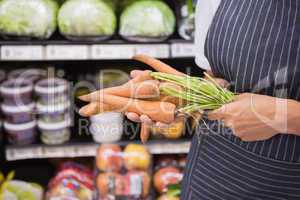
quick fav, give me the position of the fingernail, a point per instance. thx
(84, 97)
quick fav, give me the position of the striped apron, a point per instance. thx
(254, 44)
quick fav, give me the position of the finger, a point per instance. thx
(94, 108)
(145, 119)
(133, 117)
(161, 125)
(218, 114)
(135, 73)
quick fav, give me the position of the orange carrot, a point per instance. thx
(157, 64)
(156, 110)
(145, 132)
(139, 90)
(94, 108)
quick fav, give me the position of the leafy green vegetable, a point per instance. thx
(148, 18)
(87, 18)
(31, 18)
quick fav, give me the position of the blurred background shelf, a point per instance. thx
(73, 150)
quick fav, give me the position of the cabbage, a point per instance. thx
(23, 190)
(86, 18)
(147, 18)
(29, 18)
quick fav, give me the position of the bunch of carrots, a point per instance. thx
(161, 95)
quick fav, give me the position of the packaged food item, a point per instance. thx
(55, 133)
(30, 74)
(165, 161)
(186, 18)
(87, 20)
(166, 176)
(111, 77)
(28, 18)
(110, 184)
(20, 190)
(136, 157)
(147, 21)
(16, 92)
(72, 182)
(18, 114)
(168, 197)
(137, 184)
(54, 113)
(107, 127)
(173, 131)
(52, 91)
(118, 180)
(109, 158)
(21, 134)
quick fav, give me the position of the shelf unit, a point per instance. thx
(88, 149)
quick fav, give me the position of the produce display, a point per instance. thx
(90, 19)
(146, 21)
(28, 18)
(123, 174)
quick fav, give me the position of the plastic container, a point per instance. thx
(2, 75)
(107, 127)
(174, 130)
(18, 114)
(52, 91)
(21, 134)
(55, 133)
(31, 74)
(53, 113)
(16, 92)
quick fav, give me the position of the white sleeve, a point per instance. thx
(205, 12)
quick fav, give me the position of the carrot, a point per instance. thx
(139, 90)
(156, 110)
(145, 133)
(157, 65)
(94, 108)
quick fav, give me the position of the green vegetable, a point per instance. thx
(199, 93)
(30, 18)
(86, 18)
(147, 18)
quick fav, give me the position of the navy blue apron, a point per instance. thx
(255, 45)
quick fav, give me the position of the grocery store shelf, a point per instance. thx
(87, 150)
(114, 49)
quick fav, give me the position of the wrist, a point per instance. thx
(288, 116)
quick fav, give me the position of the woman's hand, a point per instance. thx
(254, 117)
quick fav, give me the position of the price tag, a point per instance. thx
(67, 52)
(112, 51)
(21, 52)
(154, 50)
(23, 153)
(56, 152)
(180, 50)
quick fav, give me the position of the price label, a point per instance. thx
(154, 50)
(180, 50)
(56, 152)
(112, 51)
(23, 153)
(21, 53)
(67, 52)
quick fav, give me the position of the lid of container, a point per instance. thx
(19, 127)
(51, 85)
(16, 86)
(24, 73)
(54, 126)
(53, 107)
(17, 108)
